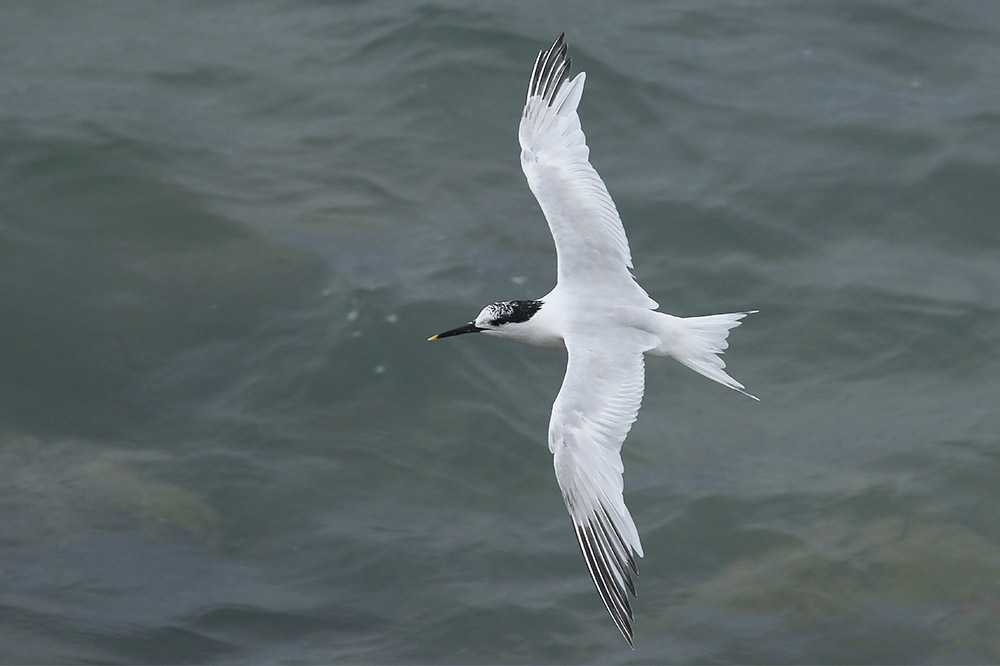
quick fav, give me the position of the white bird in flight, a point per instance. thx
(604, 320)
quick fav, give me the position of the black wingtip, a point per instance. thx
(551, 70)
(611, 565)
(614, 600)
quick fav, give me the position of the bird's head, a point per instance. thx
(503, 319)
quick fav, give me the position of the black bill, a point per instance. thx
(468, 328)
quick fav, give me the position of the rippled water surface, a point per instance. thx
(227, 229)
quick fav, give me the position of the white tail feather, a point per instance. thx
(698, 342)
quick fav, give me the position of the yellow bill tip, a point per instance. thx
(433, 337)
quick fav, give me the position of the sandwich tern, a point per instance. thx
(605, 322)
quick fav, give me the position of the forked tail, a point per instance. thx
(698, 343)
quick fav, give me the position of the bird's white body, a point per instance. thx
(694, 341)
(605, 322)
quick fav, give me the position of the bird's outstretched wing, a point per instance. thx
(595, 408)
(590, 241)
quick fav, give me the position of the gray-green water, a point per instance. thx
(227, 229)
